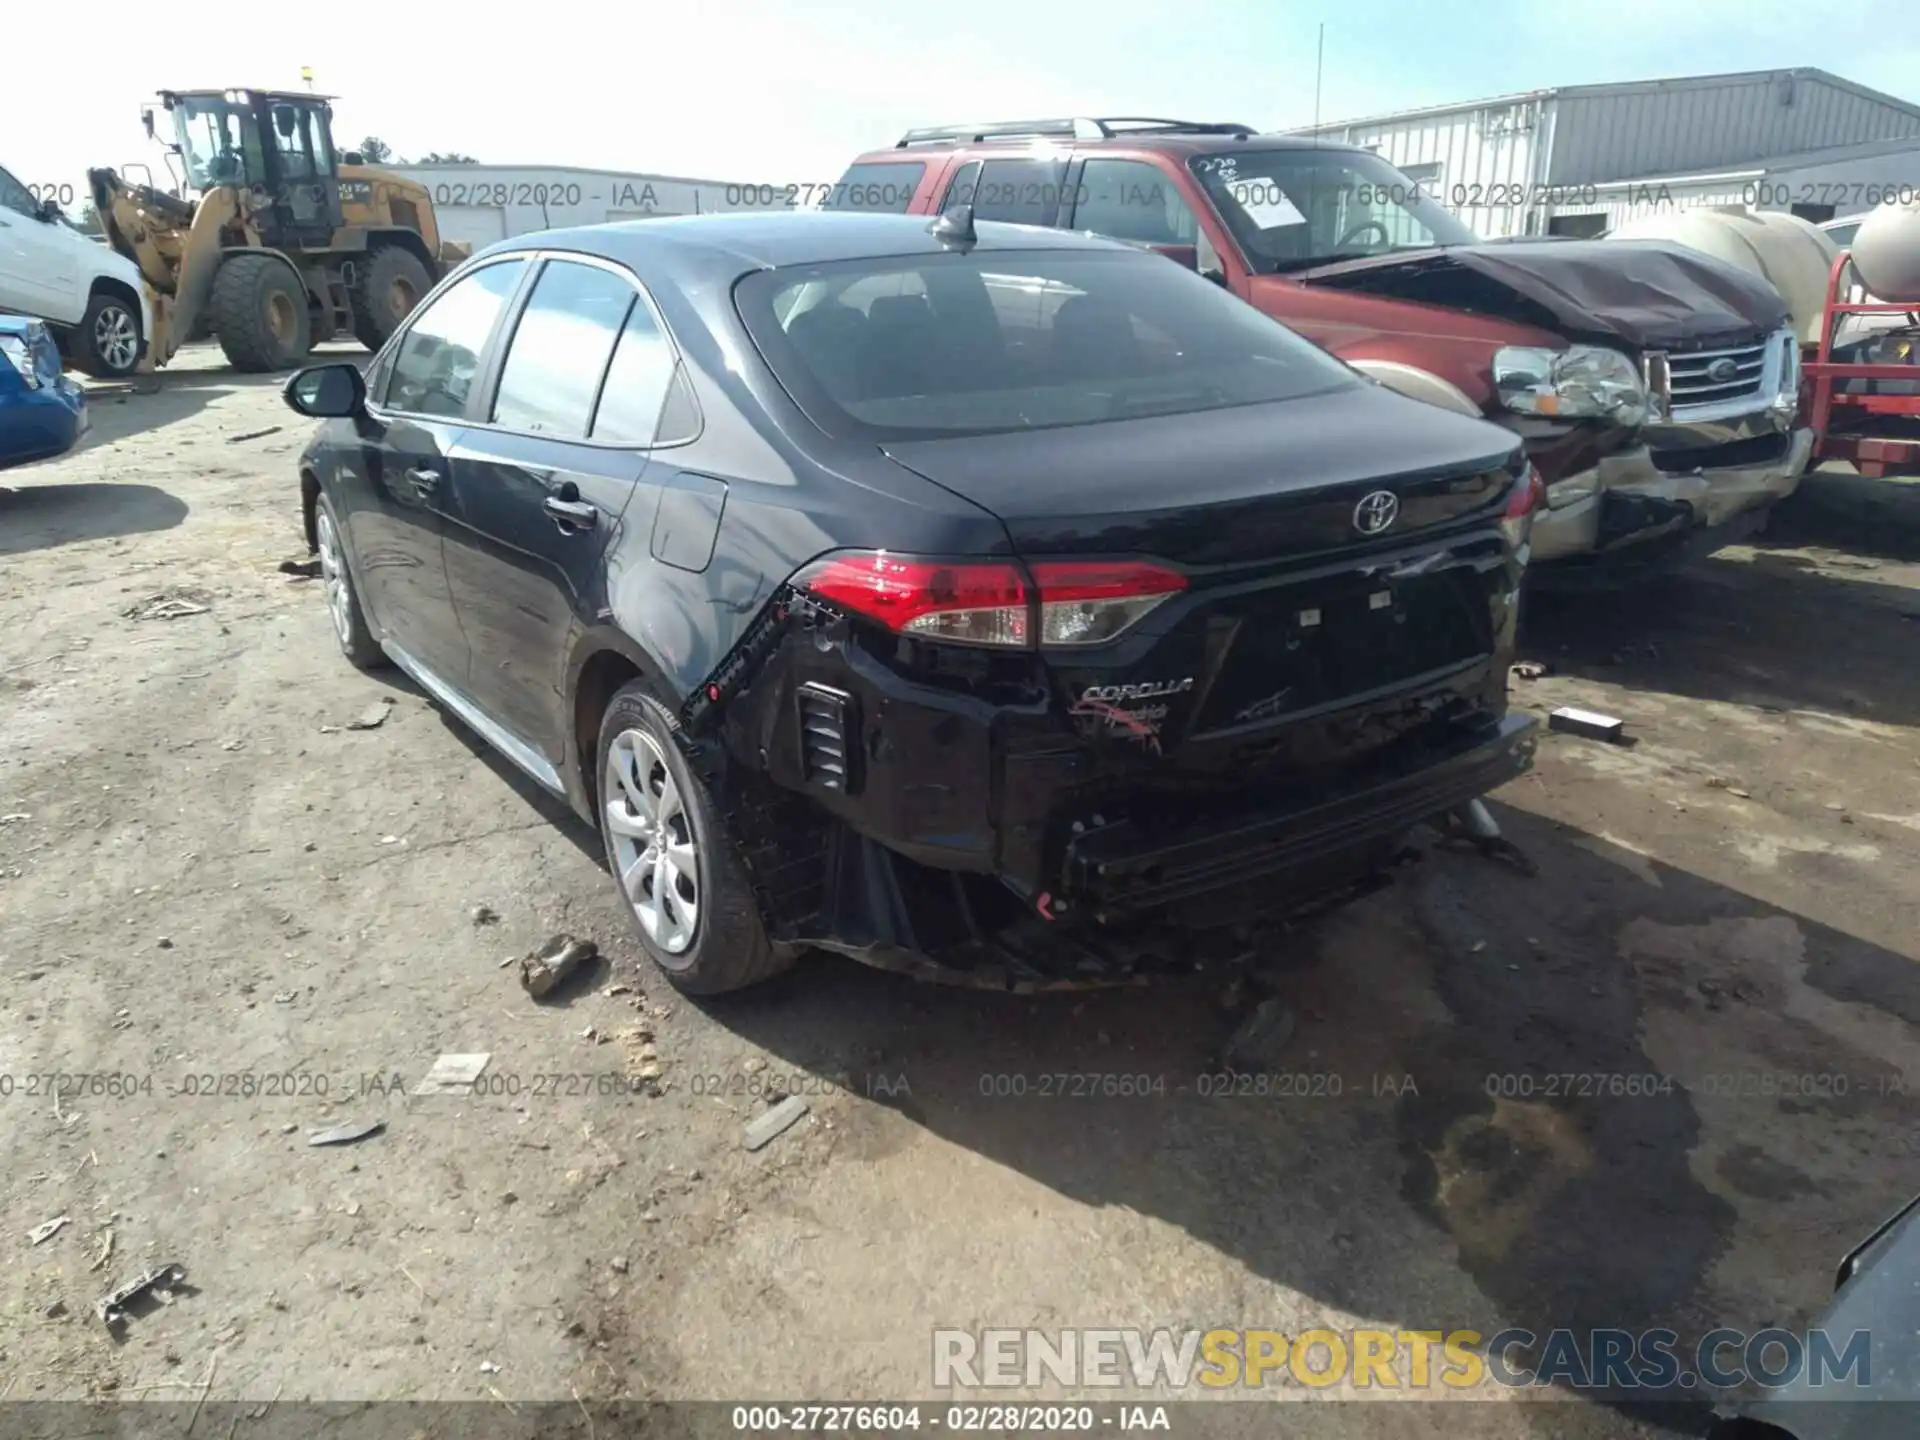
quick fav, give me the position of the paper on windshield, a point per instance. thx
(1265, 203)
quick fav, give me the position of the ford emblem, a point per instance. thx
(1722, 371)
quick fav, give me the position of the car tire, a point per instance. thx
(259, 313)
(107, 343)
(349, 618)
(707, 936)
(388, 286)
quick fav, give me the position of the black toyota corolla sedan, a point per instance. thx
(969, 600)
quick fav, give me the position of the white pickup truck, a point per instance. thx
(90, 296)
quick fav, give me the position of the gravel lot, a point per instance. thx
(207, 872)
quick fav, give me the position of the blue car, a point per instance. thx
(43, 413)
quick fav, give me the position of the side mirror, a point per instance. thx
(146, 119)
(48, 212)
(1186, 255)
(327, 392)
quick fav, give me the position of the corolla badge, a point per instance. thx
(1722, 371)
(1375, 512)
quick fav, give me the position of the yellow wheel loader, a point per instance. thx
(286, 246)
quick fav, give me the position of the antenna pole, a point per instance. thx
(1319, 69)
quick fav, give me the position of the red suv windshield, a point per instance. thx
(1297, 207)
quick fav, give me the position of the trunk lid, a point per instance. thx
(1293, 619)
(1647, 294)
(1251, 484)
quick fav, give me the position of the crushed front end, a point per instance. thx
(1049, 773)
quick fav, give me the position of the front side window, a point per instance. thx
(439, 356)
(991, 341)
(16, 196)
(216, 142)
(559, 351)
(1298, 207)
(293, 141)
(885, 187)
(1132, 200)
(1020, 192)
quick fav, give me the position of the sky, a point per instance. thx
(765, 91)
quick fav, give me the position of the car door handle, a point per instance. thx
(573, 514)
(424, 482)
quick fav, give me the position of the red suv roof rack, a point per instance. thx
(1105, 129)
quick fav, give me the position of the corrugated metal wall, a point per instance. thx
(1666, 128)
(1479, 163)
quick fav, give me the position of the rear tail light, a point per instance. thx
(993, 602)
(1529, 493)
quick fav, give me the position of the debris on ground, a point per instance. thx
(619, 1264)
(55, 1309)
(106, 1250)
(1571, 720)
(553, 962)
(347, 1134)
(769, 1125)
(255, 434)
(453, 1074)
(174, 603)
(159, 1282)
(484, 915)
(1262, 1036)
(373, 717)
(307, 568)
(47, 1229)
(1529, 670)
(15, 817)
(487, 1367)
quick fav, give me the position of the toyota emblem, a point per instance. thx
(1375, 512)
(1722, 371)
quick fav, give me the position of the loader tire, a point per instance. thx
(387, 287)
(259, 314)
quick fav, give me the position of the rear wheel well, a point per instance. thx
(601, 678)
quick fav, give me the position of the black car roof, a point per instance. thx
(769, 241)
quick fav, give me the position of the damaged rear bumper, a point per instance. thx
(1627, 508)
(1123, 868)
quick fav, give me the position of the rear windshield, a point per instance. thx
(885, 187)
(1297, 207)
(991, 341)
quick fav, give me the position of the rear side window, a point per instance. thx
(636, 383)
(434, 369)
(1022, 192)
(560, 349)
(883, 186)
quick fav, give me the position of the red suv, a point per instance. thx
(1656, 388)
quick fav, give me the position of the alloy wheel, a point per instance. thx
(333, 577)
(656, 859)
(116, 339)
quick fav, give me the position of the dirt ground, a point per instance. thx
(206, 872)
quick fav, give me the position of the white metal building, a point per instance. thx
(1576, 160)
(484, 203)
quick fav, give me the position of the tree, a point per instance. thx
(89, 222)
(451, 157)
(374, 150)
